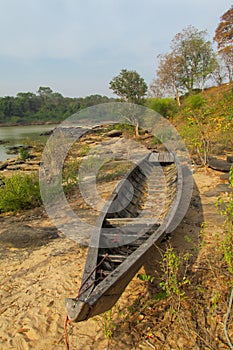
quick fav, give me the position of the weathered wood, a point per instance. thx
(114, 258)
(130, 236)
(129, 221)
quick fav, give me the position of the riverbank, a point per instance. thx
(13, 137)
(40, 268)
(4, 125)
(38, 274)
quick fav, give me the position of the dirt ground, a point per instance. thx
(38, 274)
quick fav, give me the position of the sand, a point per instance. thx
(35, 280)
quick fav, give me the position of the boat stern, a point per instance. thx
(77, 310)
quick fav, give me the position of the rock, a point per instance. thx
(3, 142)
(12, 164)
(114, 133)
(230, 159)
(3, 165)
(46, 133)
(225, 177)
(14, 167)
(23, 167)
(14, 160)
(15, 149)
(215, 192)
(219, 164)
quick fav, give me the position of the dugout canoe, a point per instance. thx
(138, 214)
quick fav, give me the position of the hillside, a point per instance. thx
(205, 121)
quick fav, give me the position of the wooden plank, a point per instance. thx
(114, 258)
(163, 157)
(131, 221)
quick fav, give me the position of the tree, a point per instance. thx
(45, 91)
(224, 39)
(189, 65)
(168, 76)
(197, 59)
(129, 86)
(220, 73)
(224, 32)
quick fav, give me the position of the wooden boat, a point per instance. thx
(138, 213)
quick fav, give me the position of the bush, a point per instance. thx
(23, 153)
(167, 107)
(194, 101)
(18, 192)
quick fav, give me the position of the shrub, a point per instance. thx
(167, 107)
(195, 101)
(23, 153)
(18, 192)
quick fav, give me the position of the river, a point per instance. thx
(16, 135)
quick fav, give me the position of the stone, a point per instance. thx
(219, 164)
(230, 159)
(3, 142)
(114, 133)
(3, 165)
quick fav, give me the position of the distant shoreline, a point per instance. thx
(5, 125)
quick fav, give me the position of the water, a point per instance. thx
(16, 136)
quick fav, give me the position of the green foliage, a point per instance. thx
(105, 321)
(194, 101)
(172, 280)
(46, 105)
(129, 86)
(204, 122)
(215, 301)
(144, 277)
(128, 128)
(188, 66)
(23, 153)
(196, 57)
(19, 192)
(70, 176)
(167, 107)
(160, 295)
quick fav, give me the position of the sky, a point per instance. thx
(77, 46)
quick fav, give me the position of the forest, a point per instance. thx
(43, 106)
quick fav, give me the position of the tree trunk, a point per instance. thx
(137, 129)
(178, 98)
